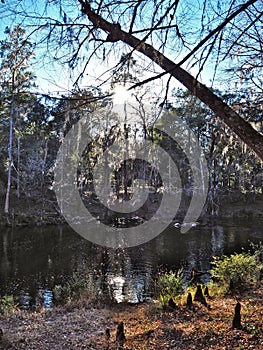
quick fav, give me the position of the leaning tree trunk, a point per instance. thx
(236, 123)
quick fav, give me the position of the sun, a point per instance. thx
(121, 95)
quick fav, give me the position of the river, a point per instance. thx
(35, 259)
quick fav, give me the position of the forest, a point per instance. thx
(34, 123)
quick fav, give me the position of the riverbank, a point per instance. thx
(29, 212)
(82, 325)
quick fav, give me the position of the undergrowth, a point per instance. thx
(228, 272)
(169, 285)
(238, 270)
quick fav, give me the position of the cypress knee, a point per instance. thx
(189, 300)
(236, 323)
(199, 295)
(172, 303)
(107, 333)
(120, 336)
(206, 292)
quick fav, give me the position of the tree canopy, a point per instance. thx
(187, 39)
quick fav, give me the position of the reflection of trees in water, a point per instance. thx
(33, 261)
(217, 240)
(197, 255)
(202, 245)
(123, 277)
(5, 262)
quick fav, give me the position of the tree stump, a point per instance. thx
(236, 323)
(120, 336)
(199, 296)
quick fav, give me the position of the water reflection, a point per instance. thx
(34, 260)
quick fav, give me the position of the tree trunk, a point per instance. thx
(236, 123)
(10, 148)
(18, 165)
(43, 173)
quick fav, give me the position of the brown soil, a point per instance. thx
(146, 326)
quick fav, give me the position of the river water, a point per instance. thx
(34, 260)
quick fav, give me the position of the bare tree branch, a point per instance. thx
(242, 128)
(202, 42)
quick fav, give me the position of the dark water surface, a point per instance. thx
(34, 260)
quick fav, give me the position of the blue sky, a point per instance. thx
(54, 77)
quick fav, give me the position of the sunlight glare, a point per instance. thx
(121, 95)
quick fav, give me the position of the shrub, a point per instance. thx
(7, 304)
(78, 285)
(257, 250)
(237, 269)
(170, 285)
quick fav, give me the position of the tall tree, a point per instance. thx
(16, 51)
(232, 166)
